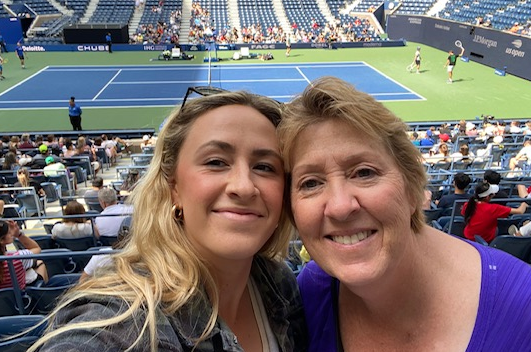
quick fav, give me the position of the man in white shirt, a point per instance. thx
(110, 225)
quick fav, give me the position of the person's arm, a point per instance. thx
(462, 51)
(27, 242)
(520, 210)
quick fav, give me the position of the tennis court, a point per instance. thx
(142, 85)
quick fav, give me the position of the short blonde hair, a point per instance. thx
(330, 98)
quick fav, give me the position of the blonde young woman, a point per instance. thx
(382, 279)
(203, 268)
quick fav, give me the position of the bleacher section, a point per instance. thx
(415, 7)
(218, 11)
(39, 7)
(305, 13)
(496, 13)
(111, 11)
(257, 12)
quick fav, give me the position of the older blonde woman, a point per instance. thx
(382, 279)
(202, 269)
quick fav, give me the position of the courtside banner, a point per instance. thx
(490, 47)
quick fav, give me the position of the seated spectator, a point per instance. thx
(494, 178)
(24, 180)
(69, 150)
(99, 261)
(464, 154)
(130, 182)
(481, 216)
(73, 227)
(10, 162)
(91, 194)
(522, 158)
(84, 149)
(44, 152)
(110, 225)
(28, 271)
(146, 141)
(52, 166)
(461, 182)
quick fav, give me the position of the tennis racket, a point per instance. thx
(458, 44)
(410, 67)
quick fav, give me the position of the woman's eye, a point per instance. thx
(265, 167)
(309, 184)
(216, 162)
(365, 173)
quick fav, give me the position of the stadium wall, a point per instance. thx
(201, 47)
(487, 46)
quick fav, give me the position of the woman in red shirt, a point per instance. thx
(481, 216)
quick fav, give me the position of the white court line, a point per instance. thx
(396, 82)
(105, 86)
(201, 68)
(23, 81)
(303, 75)
(205, 81)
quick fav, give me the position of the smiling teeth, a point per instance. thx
(351, 239)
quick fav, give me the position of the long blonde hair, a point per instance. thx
(158, 267)
(330, 98)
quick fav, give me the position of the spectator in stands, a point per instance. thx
(24, 180)
(522, 158)
(198, 256)
(461, 182)
(109, 225)
(28, 271)
(495, 178)
(110, 148)
(74, 227)
(481, 216)
(428, 139)
(356, 193)
(69, 149)
(25, 142)
(52, 166)
(39, 160)
(130, 182)
(89, 150)
(464, 154)
(92, 193)
(147, 141)
(10, 162)
(100, 261)
(74, 113)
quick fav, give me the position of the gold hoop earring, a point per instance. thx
(176, 213)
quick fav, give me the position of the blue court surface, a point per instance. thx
(129, 86)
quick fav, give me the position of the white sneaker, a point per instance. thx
(512, 230)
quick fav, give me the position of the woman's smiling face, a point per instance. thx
(349, 202)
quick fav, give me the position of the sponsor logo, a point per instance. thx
(92, 48)
(223, 47)
(155, 47)
(371, 44)
(193, 48)
(319, 45)
(514, 52)
(33, 48)
(414, 20)
(440, 26)
(262, 46)
(484, 41)
(517, 43)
